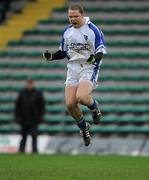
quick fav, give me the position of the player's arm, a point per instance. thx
(60, 54)
(48, 56)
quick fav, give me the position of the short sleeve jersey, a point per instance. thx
(80, 43)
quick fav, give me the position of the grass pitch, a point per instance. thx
(68, 167)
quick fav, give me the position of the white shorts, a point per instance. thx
(77, 73)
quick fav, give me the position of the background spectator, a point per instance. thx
(29, 110)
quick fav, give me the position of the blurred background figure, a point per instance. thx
(29, 110)
(4, 7)
(10, 7)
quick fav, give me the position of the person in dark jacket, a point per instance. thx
(5, 5)
(29, 110)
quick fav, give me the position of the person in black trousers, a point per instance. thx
(29, 110)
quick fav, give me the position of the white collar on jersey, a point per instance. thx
(87, 20)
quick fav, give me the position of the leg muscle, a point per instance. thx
(71, 102)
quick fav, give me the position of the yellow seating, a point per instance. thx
(32, 13)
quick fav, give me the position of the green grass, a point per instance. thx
(68, 167)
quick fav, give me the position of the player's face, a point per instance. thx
(76, 18)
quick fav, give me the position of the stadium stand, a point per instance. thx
(30, 11)
(123, 82)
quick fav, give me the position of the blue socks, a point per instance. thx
(81, 123)
(93, 106)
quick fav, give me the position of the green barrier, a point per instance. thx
(107, 32)
(37, 54)
(9, 128)
(127, 118)
(44, 128)
(105, 89)
(6, 118)
(104, 129)
(108, 9)
(109, 100)
(50, 129)
(104, 109)
(57, 77)
(59, 65)
(100, 21)
(56, 43)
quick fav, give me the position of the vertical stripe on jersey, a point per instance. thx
(99, 37)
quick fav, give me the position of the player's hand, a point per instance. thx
(47, 56)
(91, 59)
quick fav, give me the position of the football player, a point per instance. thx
(84, 45)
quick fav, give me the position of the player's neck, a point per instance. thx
(82, 24)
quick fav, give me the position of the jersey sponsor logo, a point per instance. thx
(79, 47)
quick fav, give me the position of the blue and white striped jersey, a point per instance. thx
(80, 43)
